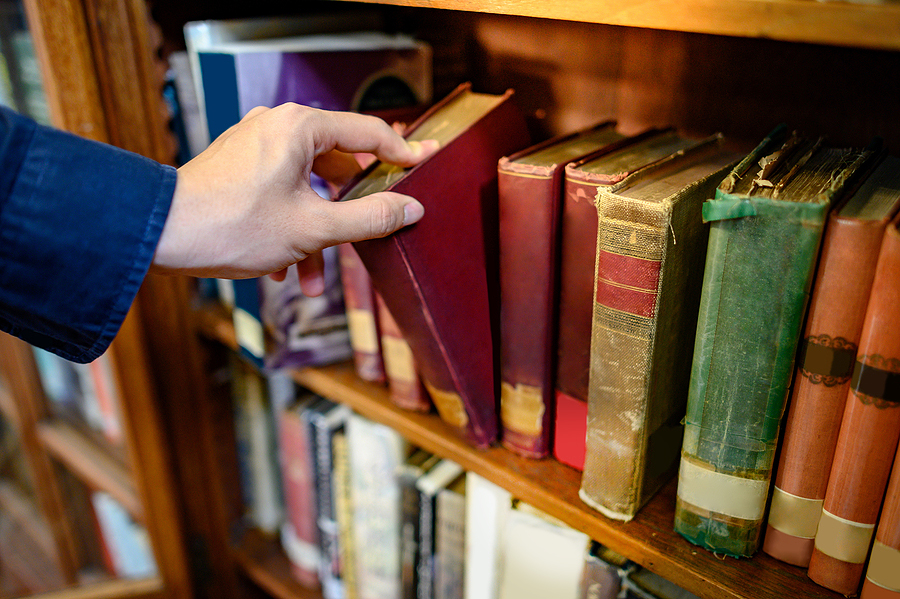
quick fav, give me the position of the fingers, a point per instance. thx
(311, 274)
(350, 132)
(369, 217)
(336, 167)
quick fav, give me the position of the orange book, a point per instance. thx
(828, 351)
(869, 434)
(883, 572)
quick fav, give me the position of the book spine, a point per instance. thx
(323, 432)
(577, 252)
(343, 505)
(300, 536)
(450, 545)
(883, 569)
(868, 438)
(648, 263)
(827, 354)
(529, 221)
(752, 304)
(409, 531)
(487, 507)
(404, 383)
(362, 316)
(376, 452)
(571, 430)
(425, 588)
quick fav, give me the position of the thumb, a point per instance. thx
(373, 216)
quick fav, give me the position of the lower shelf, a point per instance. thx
(264, 562)
(550, 486)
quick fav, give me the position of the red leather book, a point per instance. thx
(578, 249)
(530, 189)
(404, 383)
(883, 571)
(833, 326)
(439, 277)
(868, 437)
(362, 316)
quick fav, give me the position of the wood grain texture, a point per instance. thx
(837, 23)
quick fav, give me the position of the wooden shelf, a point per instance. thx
(264, 562)
(19, 508)
(838, 23)
(92, 463)
(548, 485)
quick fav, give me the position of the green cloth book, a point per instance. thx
(767, 219)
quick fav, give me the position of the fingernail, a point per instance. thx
(412, 213)
(424, 147)
(312, 285)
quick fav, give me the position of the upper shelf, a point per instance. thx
(833, 22)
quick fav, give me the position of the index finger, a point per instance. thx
(351, 132)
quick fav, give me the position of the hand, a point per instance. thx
(244, 207)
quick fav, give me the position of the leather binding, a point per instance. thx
(651, 244)
(439, 277)
(404, 383)
(766, 224)
(825, 362)
(868, 438)
(362, 316)
(578, 243)
(530, 195)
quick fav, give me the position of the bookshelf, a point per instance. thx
(701, 65)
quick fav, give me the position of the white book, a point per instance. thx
(541, 558)
(487, 508)
(375, 452)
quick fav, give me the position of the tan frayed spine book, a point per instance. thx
(651, 243)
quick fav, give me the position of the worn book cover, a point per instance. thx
(868, 438)
(404, 382)
(651, 245)
(578, 243)
(530, 194)
(443, 270)
(825, 361)
(766, 221)
(362, 316)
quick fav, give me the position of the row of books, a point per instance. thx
(84, 394)
(361, 513)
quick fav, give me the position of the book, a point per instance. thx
(450, 540)
(868, 437)
(641, 583)
(651, 246)
(404, 382)
(442, 271)
(429, 486)
(300, 531)
(487, 508)
(884, 558)
(202, 35)
(362, 316)
(126, 541)
(326, 419)
(408, 474)
(375, 452)
(542, 557)
(530, 200)
(601, 575)
(766, 221)
(578, 246)
(257, 448)
(343, 505)
(834, 323)
(377, 71)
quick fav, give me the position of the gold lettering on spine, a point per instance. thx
(522, 408)
(449, 405)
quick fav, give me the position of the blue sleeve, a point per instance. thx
(79, 224)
